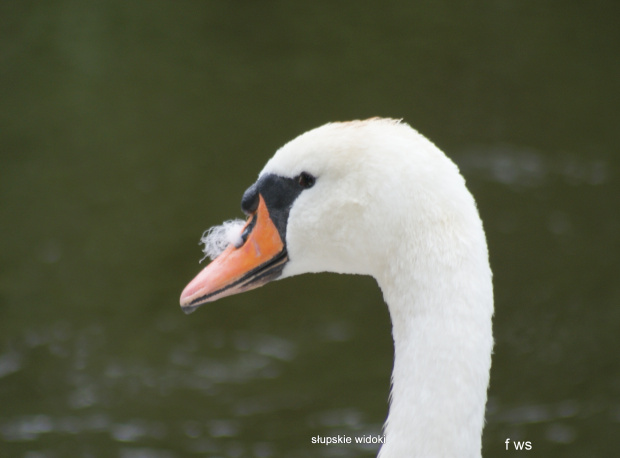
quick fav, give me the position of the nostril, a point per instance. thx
(249, 201)
(248, 229)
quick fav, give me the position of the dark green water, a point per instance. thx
(127, 128)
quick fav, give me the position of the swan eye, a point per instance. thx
(305, 180)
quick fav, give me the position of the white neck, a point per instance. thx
(441, 308)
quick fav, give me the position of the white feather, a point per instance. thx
(217, 238)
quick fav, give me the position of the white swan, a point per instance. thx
(375, 197)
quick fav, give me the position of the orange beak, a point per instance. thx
(260, 259)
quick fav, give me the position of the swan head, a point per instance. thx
(345, 197)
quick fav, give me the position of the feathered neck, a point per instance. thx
(441, 305)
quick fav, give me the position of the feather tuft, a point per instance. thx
(217, 238)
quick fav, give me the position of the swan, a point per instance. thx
(375, 197)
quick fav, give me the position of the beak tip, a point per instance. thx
(188, 302)
(187, 309)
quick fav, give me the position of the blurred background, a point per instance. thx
(128, 128)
